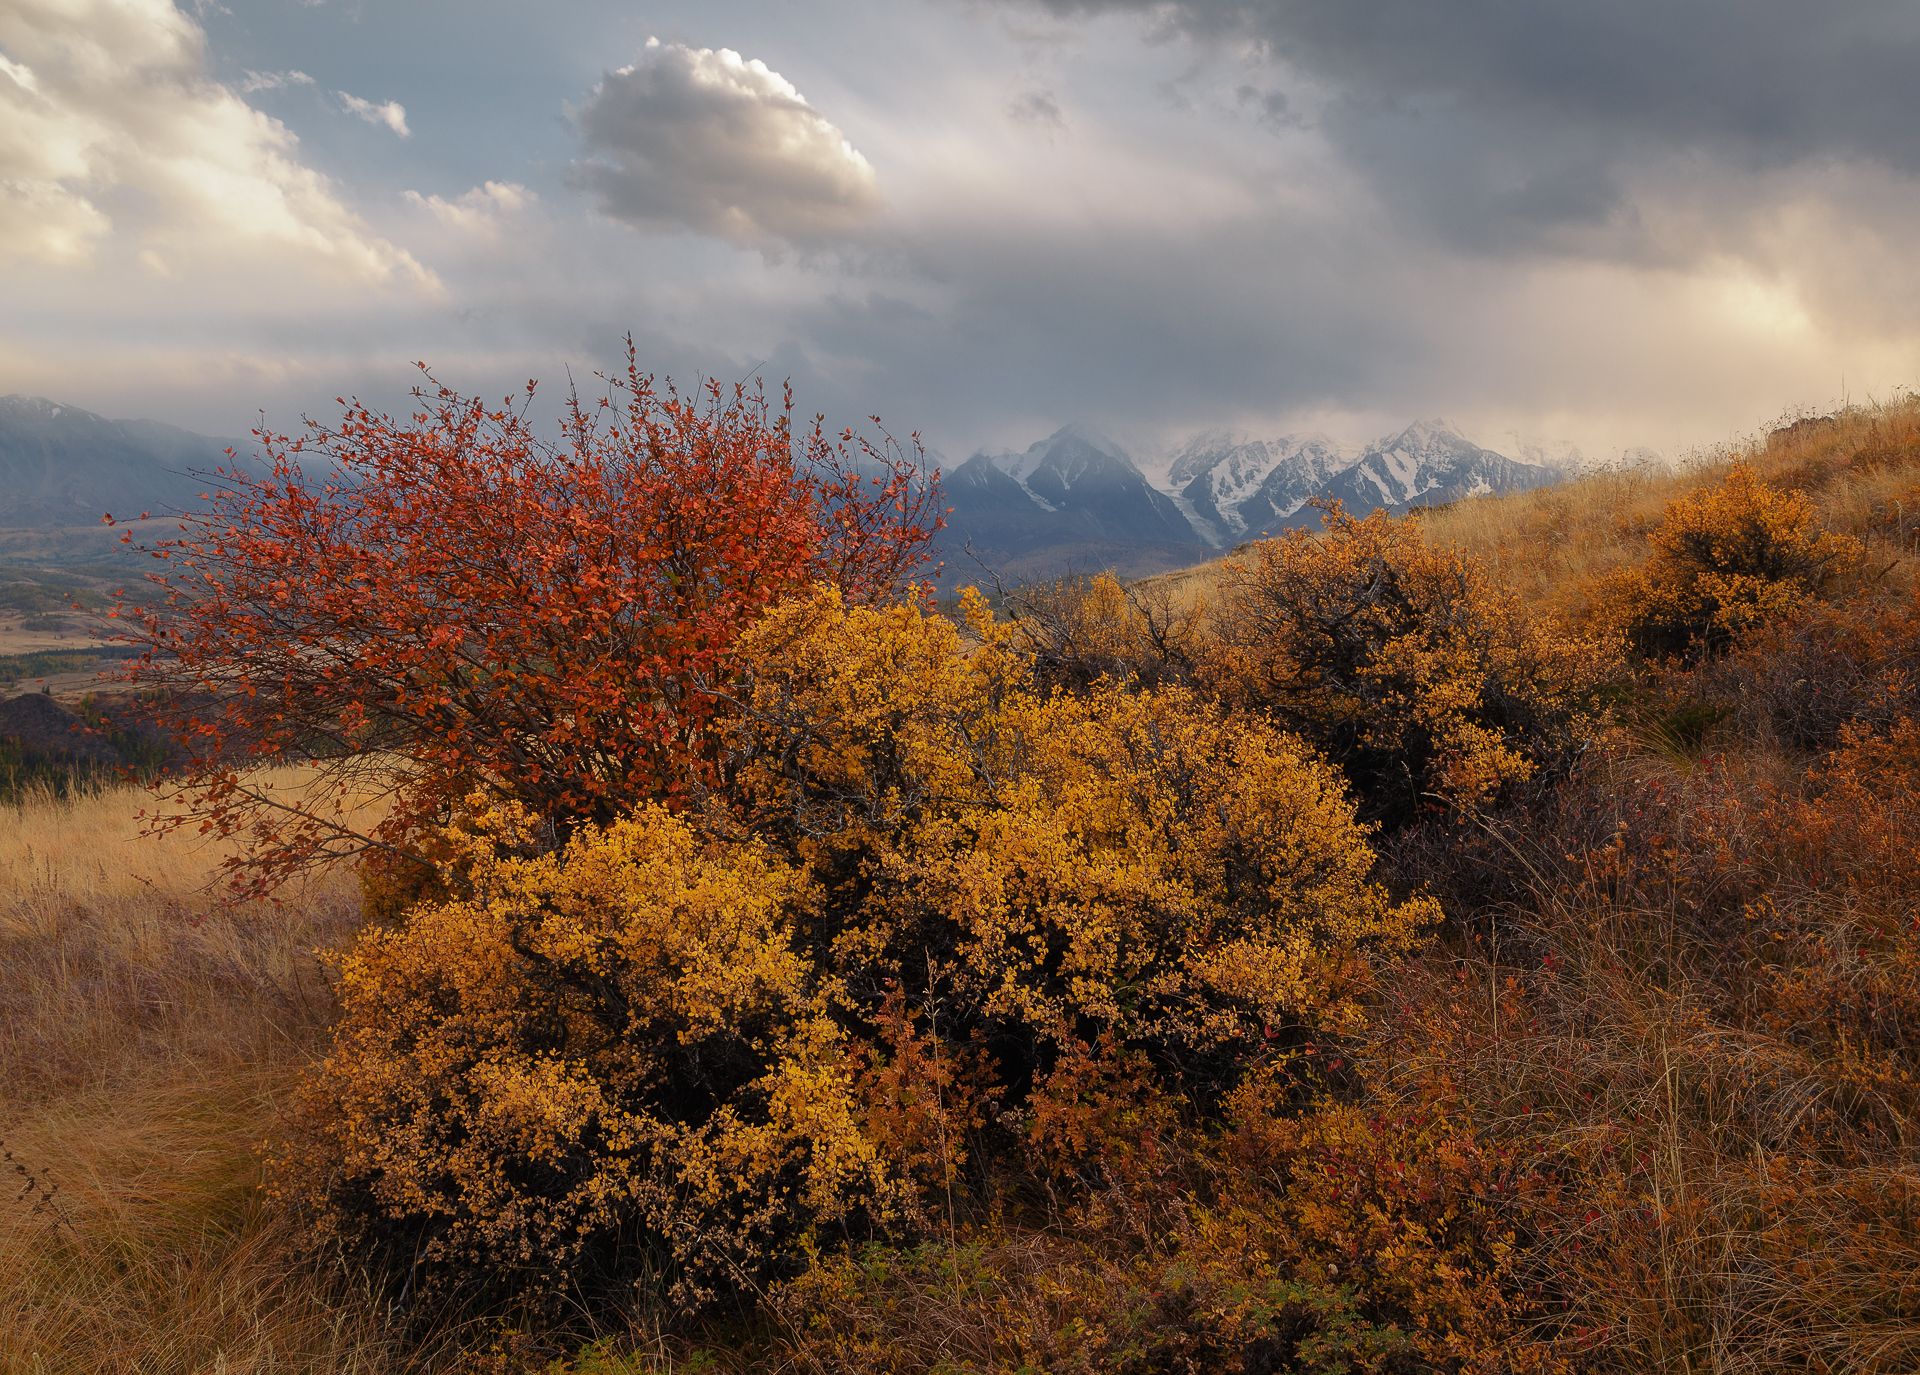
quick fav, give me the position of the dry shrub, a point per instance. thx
(1727, 559)
(1330, 1240)
(1079, 631)
(1842, 963)
(1403, 663)
(966, 919)
(1804, 680)
(1703, 1019)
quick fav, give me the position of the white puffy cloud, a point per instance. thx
(705, 139)
(111, 129)
(479, 211)
(390, 113)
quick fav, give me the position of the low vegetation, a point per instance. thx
(1477, 942)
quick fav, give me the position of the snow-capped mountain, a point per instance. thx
(1078, 500)
(1073, 500)
(1230, 483)
(1428, 464)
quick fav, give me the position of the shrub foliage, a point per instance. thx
(449, 601)
(1727, 559)
(962, 917)
(1403, 663)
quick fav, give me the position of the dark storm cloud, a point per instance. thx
(1504, 122)
(1027, 328)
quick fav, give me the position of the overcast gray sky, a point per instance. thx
(1633, 222)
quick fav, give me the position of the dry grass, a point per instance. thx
(148, 1037)
(1557, 547)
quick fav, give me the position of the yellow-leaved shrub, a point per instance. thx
(1403, 662)
(1058, 869)
(935, 914)
(1728, 559)
(1077, 631)
(608, 1056)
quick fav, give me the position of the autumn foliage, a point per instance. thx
(1355, 967)
(935, 916)
(1729, 559)
(1403, 662)
(448, 602)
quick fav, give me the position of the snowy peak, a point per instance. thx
(1235, 487)
(17, 407)
(1429, 463)
(1231, 481)
(1077, 499)
(1424, 435)
(1065, 455)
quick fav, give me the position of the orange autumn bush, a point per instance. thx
(1403, 662)
(1726, 560)
(931, 907)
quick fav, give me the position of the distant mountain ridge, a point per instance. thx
(1074, 499)
(64, 466)
(1078, 500)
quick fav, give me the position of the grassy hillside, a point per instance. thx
(1646, 1099)
(1555, 547)
(149, 1040)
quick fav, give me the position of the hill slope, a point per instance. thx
(63, 466)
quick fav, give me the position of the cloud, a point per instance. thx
(111, 129)
(391, 113)
(1038, 108)
(1551, 125)
(254, 82)
(478, 211)
(705, 139)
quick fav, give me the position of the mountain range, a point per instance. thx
(62, 466)
(1078, 500)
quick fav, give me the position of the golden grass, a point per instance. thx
(1556, 547)
(149, 1036)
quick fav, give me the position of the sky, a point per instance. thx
(1643, 222)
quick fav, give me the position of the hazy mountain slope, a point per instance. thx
(63, 466)
(1074, 501)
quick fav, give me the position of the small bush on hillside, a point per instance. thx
(963, 920)
(1325, 1241)
(1079, 631)
(1726, 560)
(1402, 662)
